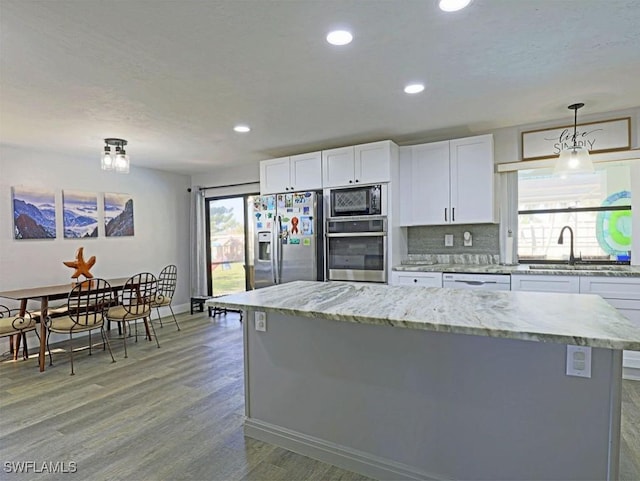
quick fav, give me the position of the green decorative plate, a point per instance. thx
(613, 229)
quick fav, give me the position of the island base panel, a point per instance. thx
(422, 404)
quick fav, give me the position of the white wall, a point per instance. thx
(161, 220)
(246, 174)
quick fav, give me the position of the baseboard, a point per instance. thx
(341, 456)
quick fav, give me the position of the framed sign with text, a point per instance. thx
(603, 136)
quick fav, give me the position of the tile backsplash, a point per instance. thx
(430, 239)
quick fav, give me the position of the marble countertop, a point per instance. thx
(580, 319)
(525, 269)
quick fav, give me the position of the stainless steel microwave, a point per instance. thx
(358, 201)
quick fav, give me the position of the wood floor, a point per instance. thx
(173, 413)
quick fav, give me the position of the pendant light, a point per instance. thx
(575, 159)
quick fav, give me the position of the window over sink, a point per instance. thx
(596, 206)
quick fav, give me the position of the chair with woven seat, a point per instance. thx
(13, 324)
(87, 305)
(167, 280)
(136, 299)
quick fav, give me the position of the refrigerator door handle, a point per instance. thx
(279, 246)
(273, 253)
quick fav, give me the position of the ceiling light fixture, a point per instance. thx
(575, 158)
(453, 5)
(242, 129)
(118, 160)
(414, 88)
(339, 37)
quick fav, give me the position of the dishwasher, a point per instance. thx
(488, 282)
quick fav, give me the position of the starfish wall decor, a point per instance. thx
(81, 266)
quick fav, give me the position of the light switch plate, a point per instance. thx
(579, 361)
(467, 239)
(448, 240)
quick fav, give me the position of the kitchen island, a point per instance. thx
(429, 383)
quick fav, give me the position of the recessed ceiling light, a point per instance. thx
(242, 128)
(414, 88)
(453, 5)
(339, 37)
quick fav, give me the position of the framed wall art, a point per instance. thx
(80, 214)
(118, 215)
(34, 213)
(604, 136)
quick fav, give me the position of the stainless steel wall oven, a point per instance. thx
(357, 248)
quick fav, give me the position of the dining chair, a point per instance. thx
(167, 280)
(135, 304)
(13, 324)
(87, 304)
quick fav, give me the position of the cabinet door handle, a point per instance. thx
(356, 180)
(415, 280)
(351, 181)
(445, 214)
(286, 188)
(292, 188)
(453, 214)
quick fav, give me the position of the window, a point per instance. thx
(597, 207)
(226, 253)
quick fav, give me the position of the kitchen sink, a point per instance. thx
(577, 267)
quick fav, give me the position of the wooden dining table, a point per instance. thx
(44, 295)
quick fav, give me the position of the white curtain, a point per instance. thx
(197, 241)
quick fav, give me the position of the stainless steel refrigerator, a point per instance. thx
(287, 234)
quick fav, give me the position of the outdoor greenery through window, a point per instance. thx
(596, 206)
(227, 245)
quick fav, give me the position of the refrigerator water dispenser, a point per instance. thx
(264, 246)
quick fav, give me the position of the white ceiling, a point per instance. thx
(174, 77)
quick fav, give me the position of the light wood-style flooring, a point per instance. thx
(173, 413)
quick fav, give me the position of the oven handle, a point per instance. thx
(358, 234)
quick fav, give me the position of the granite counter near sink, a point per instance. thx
(524, 269)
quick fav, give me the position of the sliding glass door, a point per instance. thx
(226, 246)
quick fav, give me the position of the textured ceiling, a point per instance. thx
(174, 77)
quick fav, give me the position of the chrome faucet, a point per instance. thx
(572, 259)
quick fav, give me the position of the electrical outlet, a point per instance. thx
(260, 319)
(448, 240)
(578, 361)
(468, 239)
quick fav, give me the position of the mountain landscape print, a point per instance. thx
(80, 214)
(118, 215)
(34, 213)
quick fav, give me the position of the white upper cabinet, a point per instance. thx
(472, 180)
(449, 182)
(338, 167)
(359, 164)
(373, 162)
(291, 174)
(306, 171)
(430, 184)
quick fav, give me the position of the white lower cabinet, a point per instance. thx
(623, 293)
(567, 284)
(423, 279)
